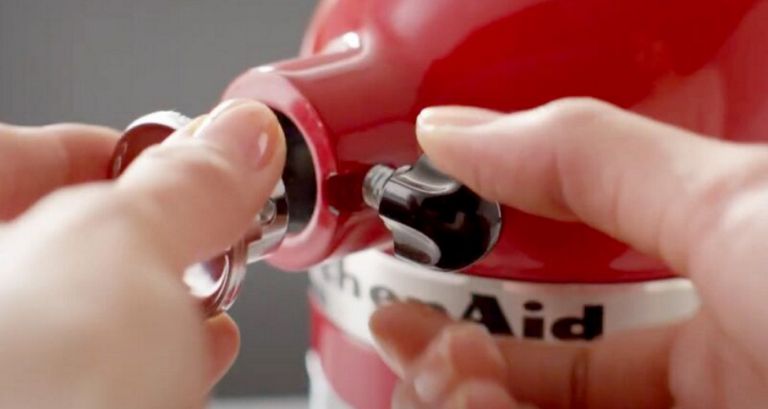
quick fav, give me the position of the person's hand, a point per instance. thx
(93, 310)
(699, 204)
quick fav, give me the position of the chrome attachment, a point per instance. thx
(215, 282)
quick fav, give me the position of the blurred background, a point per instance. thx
(110, 61)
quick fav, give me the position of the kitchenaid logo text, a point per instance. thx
(482, 308)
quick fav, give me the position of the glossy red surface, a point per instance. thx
(369, 67)
(353, 368)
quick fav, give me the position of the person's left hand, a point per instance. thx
(93, 310)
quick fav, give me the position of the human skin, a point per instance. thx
(696, 203)
(95, 315)
(93, 310)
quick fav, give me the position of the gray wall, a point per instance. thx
(109, 61)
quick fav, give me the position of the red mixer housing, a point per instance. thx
(369, 66)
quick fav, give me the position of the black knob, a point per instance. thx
(435, 220)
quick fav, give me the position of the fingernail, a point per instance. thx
(186, 132)
(468, 346)
(221, 109)
(478, 394)
(454, 117)
(396, 327)
(473, 346)
(247, 128)
(388, 353)
(193, 126)
(434, 375)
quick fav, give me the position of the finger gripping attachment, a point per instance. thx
(435, 220)
(214, 282)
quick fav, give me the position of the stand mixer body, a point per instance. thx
(368, 68)
(349, 102)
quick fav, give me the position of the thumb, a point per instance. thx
(216, 174)
(104, 255)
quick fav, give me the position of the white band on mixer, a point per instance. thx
(350, 289)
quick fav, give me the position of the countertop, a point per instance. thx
(274, 403)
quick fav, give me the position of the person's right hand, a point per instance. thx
(699, 204)
(93, 310)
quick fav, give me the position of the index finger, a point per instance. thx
(35, 161)
(697, 203)
(180, 202)
(653, 186)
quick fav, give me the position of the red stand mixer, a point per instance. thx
(354, 178)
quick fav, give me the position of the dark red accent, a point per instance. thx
(131, 144)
